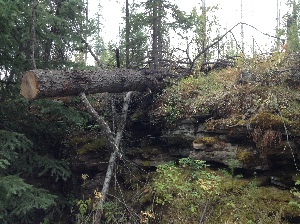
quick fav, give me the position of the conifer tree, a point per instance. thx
(292, 26)
(33, 135)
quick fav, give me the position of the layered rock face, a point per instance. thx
(240, 144)
(222, 118)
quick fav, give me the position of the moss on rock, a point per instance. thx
(208, 141)
(245, 156)
(93, 145)
(266, 120)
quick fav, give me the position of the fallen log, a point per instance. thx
(40, 83)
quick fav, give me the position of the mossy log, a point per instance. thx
(54, 83)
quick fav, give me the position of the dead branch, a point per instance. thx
(114, 144)
(92, 53)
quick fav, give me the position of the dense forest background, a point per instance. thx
(36, 181)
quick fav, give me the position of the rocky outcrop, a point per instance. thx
(242, 122)
(244, 144)
(240, 144)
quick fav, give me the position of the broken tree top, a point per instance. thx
(55, 83)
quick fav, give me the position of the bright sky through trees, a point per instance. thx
(261, 14)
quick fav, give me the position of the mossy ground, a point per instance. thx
(186, 195)
(219, 94)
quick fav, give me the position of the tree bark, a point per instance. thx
(114, 144)
(33, 5)
(127, 33)
(204, 32)
(113, 156)
(118, 58)
(159, 34)
(100, 120)
(154, 37)
(38, 83)
(86, 27)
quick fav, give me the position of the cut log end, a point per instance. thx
(29, 86)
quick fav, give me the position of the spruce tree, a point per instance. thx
(34, 135)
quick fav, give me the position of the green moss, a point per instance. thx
(138, 115)
(150, 150)
(295, 129)
(252, 204)
(93, 145)
(146, 163)
(266, 120)
(241, 122)
(194, 95)
(146, 196)
(245, 156)
(79, 141)
(208, 141)
(278, 199)
(210, 125)
(135, 116)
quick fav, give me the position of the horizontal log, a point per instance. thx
(54, 83)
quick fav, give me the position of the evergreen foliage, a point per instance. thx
(20, 201)
(192, 30)
(291, 28)
(34, 149)
(12, 143)
(34, 153)
(60, 25)
(34, 156)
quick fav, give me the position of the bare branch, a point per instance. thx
(91, 52)
(220, 38)
(211, 45)
(114, 144)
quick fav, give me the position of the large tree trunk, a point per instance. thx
(51, 83)
(33, 5)
(155, 19)
(127, 33)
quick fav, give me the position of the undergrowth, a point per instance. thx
(262, 83)
(194, 94)
(192, 193)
